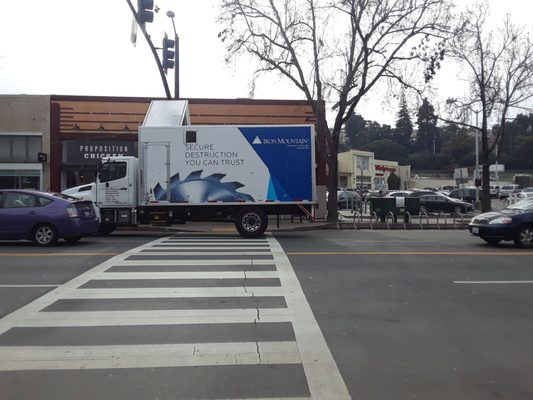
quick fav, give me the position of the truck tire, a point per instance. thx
(251, 222)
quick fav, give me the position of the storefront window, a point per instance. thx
(13, 179)
(19, 149)
(5, 149)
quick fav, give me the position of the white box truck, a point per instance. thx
(187, 172)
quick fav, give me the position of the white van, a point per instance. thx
(508, 190)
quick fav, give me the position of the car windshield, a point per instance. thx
(522, 205)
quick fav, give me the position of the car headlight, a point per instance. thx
(501, 220)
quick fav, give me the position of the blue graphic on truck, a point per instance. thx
(194, 188)
(286, 151)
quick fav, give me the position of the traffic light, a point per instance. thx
(145, 11)
(168, 54)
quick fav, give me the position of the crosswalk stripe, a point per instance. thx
(19, 358)
(202, 244)
(210, 248)
(154, 293)
(187, 275)
(219, 240)
(203, 253)
(155, 317)
(220, 263)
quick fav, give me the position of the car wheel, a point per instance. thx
(524, 238)
(422, 208)
(251, 222)
(73, 239)
(492, 242)
(44, 235)
(458, 210)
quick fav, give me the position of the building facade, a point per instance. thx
(24, 142)
(360, 170)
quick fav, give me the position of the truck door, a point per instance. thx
(115, 188)
(156, 171)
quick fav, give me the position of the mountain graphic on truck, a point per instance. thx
(194, 188)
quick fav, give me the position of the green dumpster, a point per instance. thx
(412, 205)
(382, 206)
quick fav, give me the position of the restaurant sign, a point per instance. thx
(91, 152)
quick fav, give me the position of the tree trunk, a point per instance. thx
(332, 187)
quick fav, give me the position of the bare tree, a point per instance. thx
(335, 50)
(498, 67)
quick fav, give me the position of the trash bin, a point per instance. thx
(412, 205)
(382, 206)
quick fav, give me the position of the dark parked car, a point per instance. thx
(45, 217)
(466, 194)
(512, 223)
(441, 203)
(418, 193)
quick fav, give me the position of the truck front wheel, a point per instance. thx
(251, 222)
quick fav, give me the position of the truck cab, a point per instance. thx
(114, 193)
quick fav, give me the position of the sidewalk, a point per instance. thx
(285, 225)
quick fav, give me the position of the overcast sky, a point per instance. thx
(82, 47)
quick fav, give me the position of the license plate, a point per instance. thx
(87, 213)
(475, 230)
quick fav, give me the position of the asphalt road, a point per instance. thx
(420, 314)
(405, 314)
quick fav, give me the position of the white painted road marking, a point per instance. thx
(15, 358)
(492, 282)
(309, 348)
(323, 376)
(156, 317)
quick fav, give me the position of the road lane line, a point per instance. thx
(155, 317)
(20, 358)
(408, 253)
(27, 286)
(56, 254)
(492, 282)
(323, 376)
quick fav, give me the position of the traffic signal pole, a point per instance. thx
(152, 48)
(176, 64)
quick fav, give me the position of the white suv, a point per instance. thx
(508, 190)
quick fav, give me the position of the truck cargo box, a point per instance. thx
(210, 165)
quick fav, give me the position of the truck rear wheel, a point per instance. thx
(251, 222)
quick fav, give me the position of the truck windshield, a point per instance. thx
(112, 170)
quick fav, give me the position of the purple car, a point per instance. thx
(45, 217)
